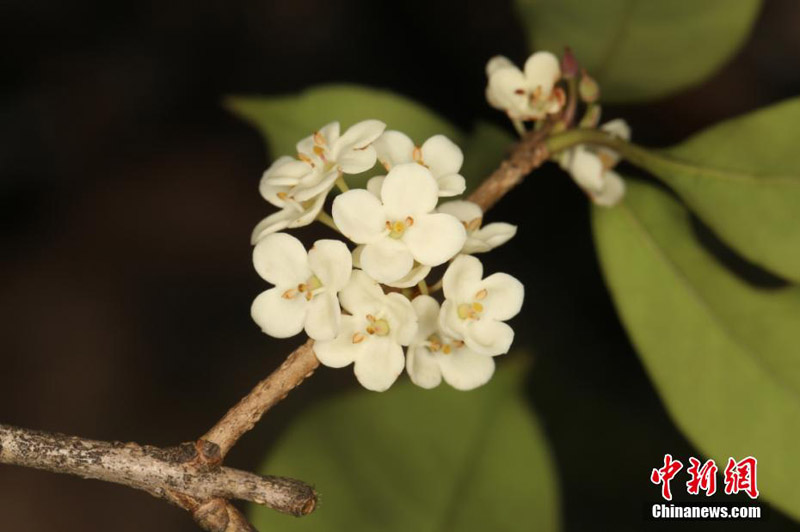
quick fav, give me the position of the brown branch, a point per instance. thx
(527, 155)
(299, 365)
(172, 474)
(190, 476)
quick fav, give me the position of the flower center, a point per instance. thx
(473, 225)
(377, 327)
(472, 310)
(398, 228)
(436, 345)
(310, 288)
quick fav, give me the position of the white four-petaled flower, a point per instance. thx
(591, 167)
(528, 95)
(306, 286)
(349, 153)
(438, 154)
(479, 239)
(400, 227)
(434, 355)
(475, 308)
(373, 335)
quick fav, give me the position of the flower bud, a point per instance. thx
(588, 88)
(569, 65)
(592, 116)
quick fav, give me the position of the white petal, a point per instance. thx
(331, 262)
(357, 161)
(409, 190)
(387, 259)
(427, 310)
(341, 351)
(314, 184)
(504, 295)
(359, 136)
(466, 370)
(586, 168)
(451, 185)
(489, 337)
(465, 211)
(362, 295)
(495, 234)
(496, 63)
(423, 368)
(393, 148)
(273, 223)
(401, 317)
(330, 132)
(412, 278)
(359, 216)
(375, 184)
(357, 256)
(323, 317)
(310, 211)
(442, 156)
(378, 368)
(277, 316)
(462, 278)
(281, 260)
(474, 245)
(612, 191)
(435, 238)
(542, 70)
(505, 85)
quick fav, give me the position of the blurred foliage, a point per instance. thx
(641, 50)
(283, 120)
(722, 353)
(423, 460)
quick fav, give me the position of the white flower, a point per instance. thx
(525, 96)
(294, 214)
(306, 286)
(591, 167)
(400, 227)
(433, 355)
(475, 309)
(372, 337)
(350, 153)
(479, 239)
(439, 154)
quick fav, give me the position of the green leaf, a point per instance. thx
(413, 459)
(722, 353)
(640, 50)
(284, 120)
(742, 177)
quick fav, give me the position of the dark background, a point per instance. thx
(128, 196)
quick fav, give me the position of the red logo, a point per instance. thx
(739, 476)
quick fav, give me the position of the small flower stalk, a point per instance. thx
(365, 300)
(547, 92)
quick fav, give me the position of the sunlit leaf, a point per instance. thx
(283, 120)
(722, 353)
(640, 50)
(412, 459)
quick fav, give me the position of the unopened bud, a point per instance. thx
(588, 88)
(569, 65)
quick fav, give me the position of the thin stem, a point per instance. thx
(325, 219)
(435, 287)
(342, 184)
(423, 287)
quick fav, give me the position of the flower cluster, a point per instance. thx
(372, 306)
(546, 92)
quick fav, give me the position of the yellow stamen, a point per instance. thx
(289, 294)
(447, 349)
(481, 294)
(358, 338)
(319, 138)
(474, 224)
(477, 307)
